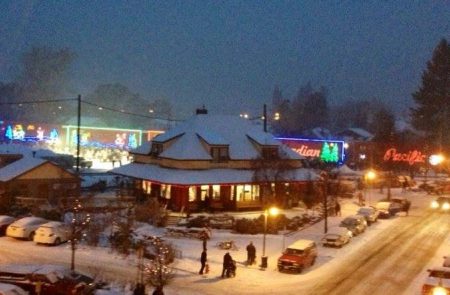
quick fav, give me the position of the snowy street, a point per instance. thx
(395, 251)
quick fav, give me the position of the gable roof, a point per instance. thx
(19, 167)
(235, 132)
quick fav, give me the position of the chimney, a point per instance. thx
(201, 111)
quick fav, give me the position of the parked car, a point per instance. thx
(53, 279)
(370, 214)
(441, 204)
(337, 237)
(52, 233)
(298, 255)
(387, 209)
(10, 289)
(5, 221)
(25, 228)
(432, 188)
(357, 224)
(402, 202)
(438, 276)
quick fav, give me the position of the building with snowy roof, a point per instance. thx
(29, 178)
(220, 162)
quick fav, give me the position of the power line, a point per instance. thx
(126, 112)
(25, 102)
(37, 101)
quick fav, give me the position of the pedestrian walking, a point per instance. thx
(337, 209)
(227, 261)
(203, 260)
(407, 206)
(251, 253)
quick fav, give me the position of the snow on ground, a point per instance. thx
(253, 279)
(250, 279)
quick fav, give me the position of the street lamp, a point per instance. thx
(273, 211)
(370, 175)
(439, 290)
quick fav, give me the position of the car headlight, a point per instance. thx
(446, 206)
(434, 205)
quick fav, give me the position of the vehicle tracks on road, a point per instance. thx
(394, 259)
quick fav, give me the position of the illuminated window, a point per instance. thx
(219, 154)
(216, 192)
(147, 186)
(165, 191)
(192, 193)
(204, 191)
(247, 192)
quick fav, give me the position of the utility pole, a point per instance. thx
(265, 117)
(325, 201)
(78, 133)
(74, 233)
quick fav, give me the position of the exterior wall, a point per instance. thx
(47, 184)
(43, 191)
(282, 195)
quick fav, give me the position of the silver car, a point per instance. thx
(356, 224)
(337, 237)
(370, 213)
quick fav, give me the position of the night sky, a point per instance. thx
(228, 55)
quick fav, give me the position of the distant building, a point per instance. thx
(217, 162)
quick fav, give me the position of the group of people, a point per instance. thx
(229, 265)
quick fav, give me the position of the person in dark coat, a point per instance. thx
(337, 208)
(203, 260)
(407, 206)
(227, 261)
(251, 253)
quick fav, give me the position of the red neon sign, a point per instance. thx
(411, 157)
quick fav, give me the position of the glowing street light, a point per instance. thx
(273, 211)
(436, 159)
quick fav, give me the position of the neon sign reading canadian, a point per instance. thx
(307, 152)
(410, 157)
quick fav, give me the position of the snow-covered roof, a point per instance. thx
(354, 133)
(27, 220)
(301, 244)
(19, 167)
(237, 133)
(10, 289)
(345, 170)
(143, 149)
(6, 148)
(156, 173)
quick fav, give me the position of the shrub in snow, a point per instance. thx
(151, 212)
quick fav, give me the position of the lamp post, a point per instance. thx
(273, 211)
(370, 175)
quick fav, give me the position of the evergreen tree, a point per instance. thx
(383, 126)
(325, 154)
(432, 111)
(334, 153)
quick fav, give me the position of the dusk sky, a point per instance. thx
(229, 55)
